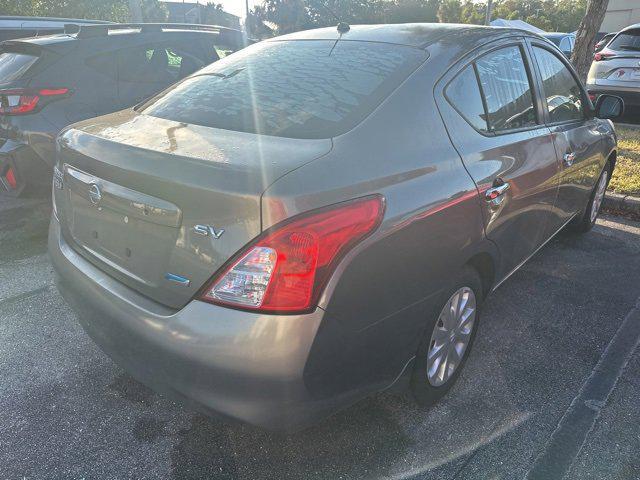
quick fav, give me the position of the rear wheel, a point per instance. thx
(588, 219)
(447, 340)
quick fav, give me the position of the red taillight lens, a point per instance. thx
(20, 101)
(10, 178)
(286, 268)
(598, 57)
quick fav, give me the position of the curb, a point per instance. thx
(626, 203)
(630, 126)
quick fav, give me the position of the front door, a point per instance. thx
(576, 137)
(494, 120)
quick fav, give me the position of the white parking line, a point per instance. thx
(571, 432)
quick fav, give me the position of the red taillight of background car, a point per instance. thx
(10, 179)
(20, 101)
(598, 57)
(287, 267)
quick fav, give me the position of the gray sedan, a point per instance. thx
(320, 216)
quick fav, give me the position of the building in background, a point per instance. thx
(187, 12)
(620, 14)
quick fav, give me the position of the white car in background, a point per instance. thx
(615, 69)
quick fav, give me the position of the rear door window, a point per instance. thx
(13, 65)
(464, 94)
(561, 91)
(629, 40)
(297, 89)
(159, 64)
(506, 88)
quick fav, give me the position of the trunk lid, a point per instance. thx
(147, 199)
(620, 68)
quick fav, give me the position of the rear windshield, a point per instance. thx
(296, 89)
(555, 40)
(629, 40)
(13, 65)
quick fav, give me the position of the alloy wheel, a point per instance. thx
(451, 336)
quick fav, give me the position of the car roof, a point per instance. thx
(418, 35)
(15, 21)
(63, 41)
(556, 34)
(635, 26)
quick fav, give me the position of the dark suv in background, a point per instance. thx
(12, 27)
(47, 83)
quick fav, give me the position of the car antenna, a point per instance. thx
(343, 27)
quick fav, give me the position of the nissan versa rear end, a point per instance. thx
(320, 216)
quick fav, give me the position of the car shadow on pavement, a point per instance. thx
(23, 227)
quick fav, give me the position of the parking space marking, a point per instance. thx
(22, 296)
(571, 432)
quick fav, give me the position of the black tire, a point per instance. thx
(423, 391)
(584, 223)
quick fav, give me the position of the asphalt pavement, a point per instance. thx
(558, 330)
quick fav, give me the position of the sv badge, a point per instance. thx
(208, 230)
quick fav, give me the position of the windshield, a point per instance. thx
(629, 40)
(297, 89)
(13, 65)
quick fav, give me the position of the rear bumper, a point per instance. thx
(630, 95)
(247, 366)
(27, 165)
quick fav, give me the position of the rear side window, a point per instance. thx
(14, 65)
(506, 89)
(297, 89)
(561, 91)
(464, 94)
(629, 40)
(156, 64)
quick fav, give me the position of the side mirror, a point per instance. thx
(609, 106)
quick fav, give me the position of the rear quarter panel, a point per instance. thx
(380, 297)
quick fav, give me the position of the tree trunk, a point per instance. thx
(487, 17)
(135, 11)
(585, 37)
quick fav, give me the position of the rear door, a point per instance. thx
(575, 135)
(494, 120)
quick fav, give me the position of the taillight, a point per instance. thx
(598, 57)
(287, 267)
(23, 100)
(10, 179)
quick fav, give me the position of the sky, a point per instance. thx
(237, 7)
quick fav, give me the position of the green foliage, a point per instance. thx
(292, 15)
(113, 10)
(549, 15)
(154, 11)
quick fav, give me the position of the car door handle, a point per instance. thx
(569, 158)
(495, 195)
